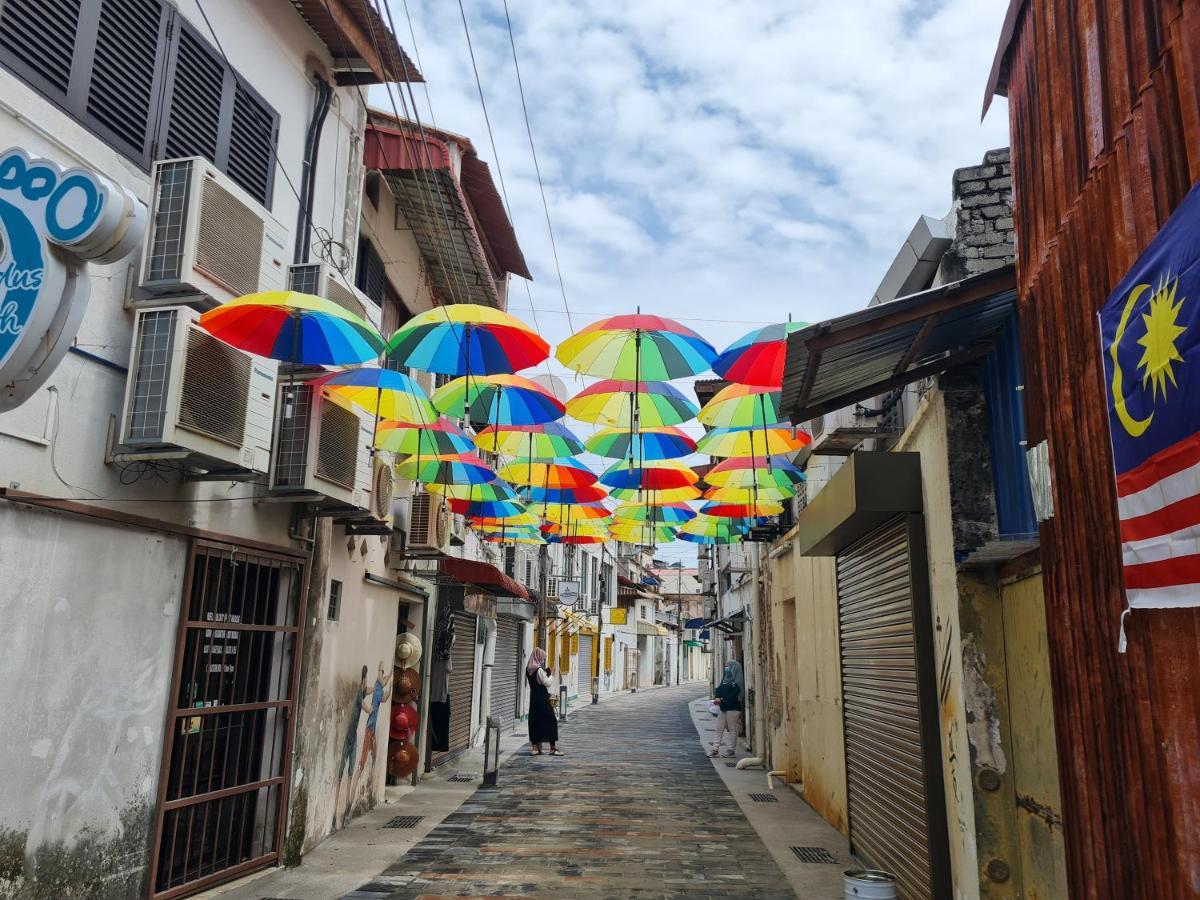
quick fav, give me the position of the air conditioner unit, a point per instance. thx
(840, 432)
(324, 280)
(321, 452)
(428, 525)
(191, 395)
(383, 483)
(208, 240)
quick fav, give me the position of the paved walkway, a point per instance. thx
(634, 810)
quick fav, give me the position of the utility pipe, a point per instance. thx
(748, 762)
(778, 773)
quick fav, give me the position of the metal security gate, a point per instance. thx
(893, 767)
(227, 759)
(462, 686)
(585, 667)
(507, 664)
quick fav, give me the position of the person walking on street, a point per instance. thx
(543, 726)
(729, 696)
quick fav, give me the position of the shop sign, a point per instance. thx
(52, 223)
(569, 590)
(618, 615)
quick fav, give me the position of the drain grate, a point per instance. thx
(404, 822)
(731, 765)
(764, 798)
(814, 855)
(461, 778)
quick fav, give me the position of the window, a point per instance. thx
(528, 572)
(140, 77)
(606, 580)
(510, 561)
(370, 277)
(335, 600)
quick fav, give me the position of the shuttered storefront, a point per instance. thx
(893, 775)
(462, 686)
(585, 666)
(506, 664)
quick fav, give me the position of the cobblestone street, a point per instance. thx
(635, 809)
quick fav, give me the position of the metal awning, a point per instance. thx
(363, 47)
(843, 361)
(730, 624)
(627, 588)
(481, 575)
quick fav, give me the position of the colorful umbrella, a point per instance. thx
(544, 441)
(729, 537)
(499, 537)
(642, 533)
(592, 493)
(659, 442)
(772, 440)
(710, 526)
(608, 403)
(637, 347)
(741, 405)
(758, 357)
(565, 472)
(297, 328)
(668, 495)
(576, 539)
(755, 478)
(485, 508)
(439, 438)
(653, 475)
(750, 463)
(387, 394)
(749, 494)
(513, 521)
(467, 338)
(590, 526)
(742, 510)
(666, 514)
(461, 468)
(491, 490)
(570, 512)
(498, 400)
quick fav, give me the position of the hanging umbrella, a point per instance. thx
(498, 400)
(742, 510)
(654, 475)
(636, 347)
(499, 537)
(519, 519)
(734, 465)
(710, 526)
(758, 357)
(461, 468)
(576, 539)
(729, 537)
(545, 441)
(485, 508)
(590, 526)
(488, 491)
(296, 328)
(571, 512)
(641, 533)
(741, 405)
(438, 438)
(749, 441)
(389, 395)
(665, 514)
(749, 494)
(464, 339)
(591, 493)
(564, 472)
(658, 442)
(608, 403)
(665, 495)
(754, 478)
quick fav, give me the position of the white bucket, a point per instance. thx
(869, 884)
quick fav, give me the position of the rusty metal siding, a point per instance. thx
(1104, 106)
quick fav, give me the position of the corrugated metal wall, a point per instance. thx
(1104, 103)
(506, 670)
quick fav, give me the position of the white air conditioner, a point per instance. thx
(428, 524)
(208, 240)
(321, 452)
(325, 281)
(839, 432)
(190, 394)
(383, 482)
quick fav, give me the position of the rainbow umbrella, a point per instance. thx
(755, 478)
(576, 539)
(389, 395)
(568, 512)
(590, 526)
(524, 518)
(484, 508)
(564, 472)
(466, 338)
(438, 438)
(642, 533)
(491, 490)
(741, 405)
(499, 400)
(460, 468)
(653, 475)
(749, 494)
(608, 403)
(665, 514)
(736, 464)
(771, 440)
(742, 510)
(591, 493)
(499, 537)
(758, 357)
(658, 442)
(636, 347)
(297, 328)
(711, 526)
(665, 495)
(546, 441)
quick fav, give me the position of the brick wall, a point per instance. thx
(983, 209)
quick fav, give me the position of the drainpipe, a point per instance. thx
(308, 183)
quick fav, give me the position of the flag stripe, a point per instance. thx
(1173, 488)
(1184, 542)
(1179, 456)
(1177, 571)
(1175, 595)
(1176, 516)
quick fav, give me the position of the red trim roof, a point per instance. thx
(481, 575)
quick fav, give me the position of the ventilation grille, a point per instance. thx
(195, 118)
(344, 297)
(291, 452)
(229, 246)
(461, 778)
(404, 822)
(251, 144)
(216, 382)
(305, 279)
(123, 75)
(815, 855)
(382, 484)
(337, 446)
(420, 521)
(47, 51)
(731, 765)
(170, 222)
(151, 374)
(764, 798)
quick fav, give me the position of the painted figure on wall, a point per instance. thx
(349, 748)
(380, 693)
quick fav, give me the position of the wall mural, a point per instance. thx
(364, 700)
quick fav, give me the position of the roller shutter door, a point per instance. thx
(585, 666)
(886, 768)
(462, 686)
(507, 662)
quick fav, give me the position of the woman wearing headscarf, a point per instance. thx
(729, 696)
(543, 726)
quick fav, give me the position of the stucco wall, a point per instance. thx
(86, 651)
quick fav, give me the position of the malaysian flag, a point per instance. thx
(1150, 329)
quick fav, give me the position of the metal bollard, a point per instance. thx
(562, 703)
(491, 752)
(596, 689)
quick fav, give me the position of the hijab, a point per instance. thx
(733, 676)
(537, 660)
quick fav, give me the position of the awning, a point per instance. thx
(843, 361)
(481, 575)
(730, 624)
(627, 587)
(693, 643)
(363, 48)
(997, 82)
(694, 623)
(443, 211)
(651, 628)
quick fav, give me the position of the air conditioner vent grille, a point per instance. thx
(152, 369)
(382, 491)
(170, 222)
(229, 245)
(305, 279)
(344, 297)
(216, 383)
(420, 517)
(291, 452)
(337, 450)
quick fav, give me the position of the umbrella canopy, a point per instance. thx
(461, 468)
(742, 510)
(571, 512)
(514, 521)
(563, 472)
(485, 508)
(466, 338)
(591, 493)
(770, 440)
(498, 400)
(711, 526)
(658, 496)
(731, 537)
(642, 533)
(755, 478)
(754, 463)
(500, 537)
(298, 328)
(390, 395)
(659, 442)
(741, 405)
(588, 526)
(749, 494)
(758, 357)
(440, 438)
(636, 347)
(546, 441)
(491, 490)
(666, 514)
(608, 403)
(653, 475)
(576, 539)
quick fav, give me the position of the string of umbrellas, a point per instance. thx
(542, 492)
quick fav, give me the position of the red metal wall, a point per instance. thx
(1105, 116)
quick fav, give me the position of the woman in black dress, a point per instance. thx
(543, 726)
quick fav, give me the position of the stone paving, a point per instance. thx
(634, 810)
